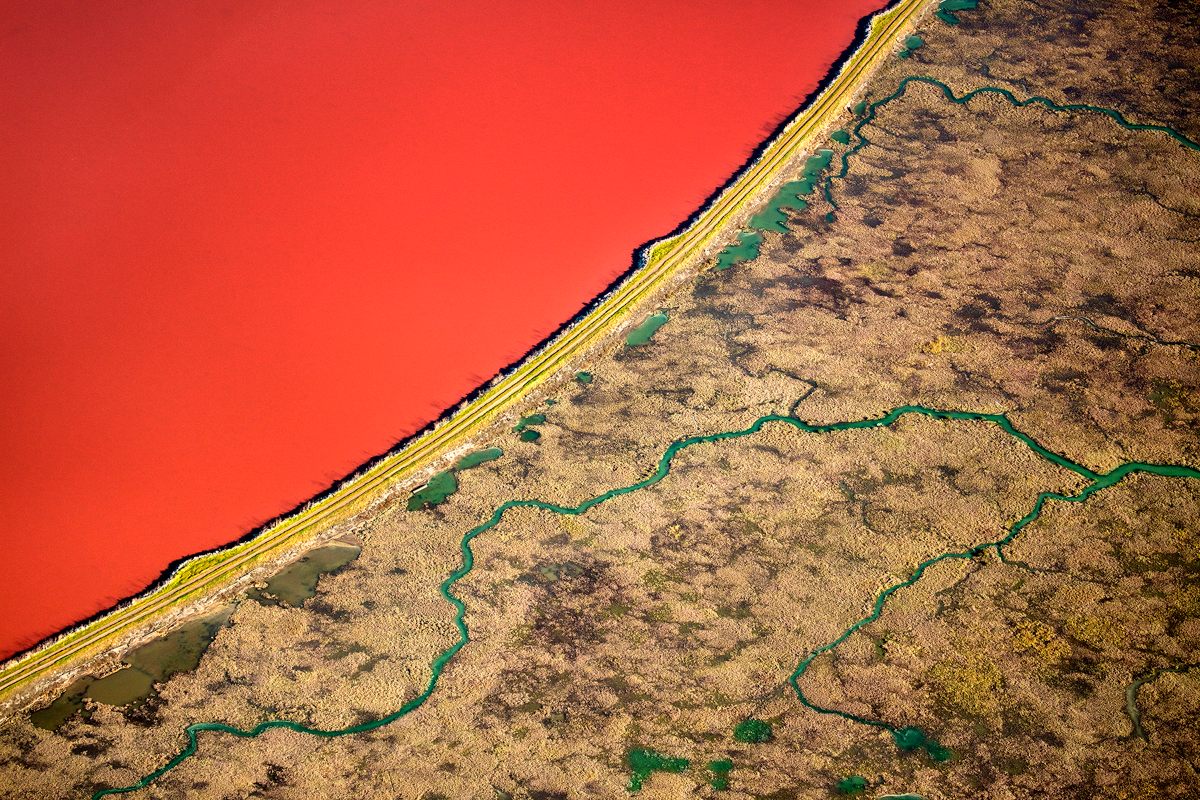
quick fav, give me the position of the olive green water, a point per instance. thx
(154, 662)
(906, 737)
(772, 217)
(297, 582)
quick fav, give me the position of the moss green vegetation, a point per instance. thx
(584, 377)
(840, 136)
(852, 785)
(529, 435)
(642, 763)
(753, 731)
(746, 249)
(645, 332)
(719, 773)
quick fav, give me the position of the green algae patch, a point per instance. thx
(479, 457)
(719, 773)
(851, 786)
(911, 739)
(859, 108)
(773, 218)
(584, 377)
(643, 763)
(745, 250)
(841, 137)
(645, 332)
(529, 435)
(525, 422)
(445, 483)
(753, 731)
(434, 493)
(911, 45)
(947, 8)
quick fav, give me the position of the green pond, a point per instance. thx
(645, 332)
(445, 483)
(719, 771)
(154, 662)
(479, 457)
(525, 422)
(434, 493)
(297, 582)
(753, 731)
(642, 763)
(745, 250)
(947, 8)
(911, 45)
(772, 217)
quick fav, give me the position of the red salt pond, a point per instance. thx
(248, 245)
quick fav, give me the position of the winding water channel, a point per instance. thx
(906, 737)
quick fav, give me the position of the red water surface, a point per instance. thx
(246, 246)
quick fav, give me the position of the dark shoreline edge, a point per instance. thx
(637, 260)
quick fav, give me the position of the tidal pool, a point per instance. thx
(297, 582)
(150, 664)
(645, 332)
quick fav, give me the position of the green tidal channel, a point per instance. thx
(297, 582)
(905, 737)
(869, 111)
(150, 664)
(645, 332)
